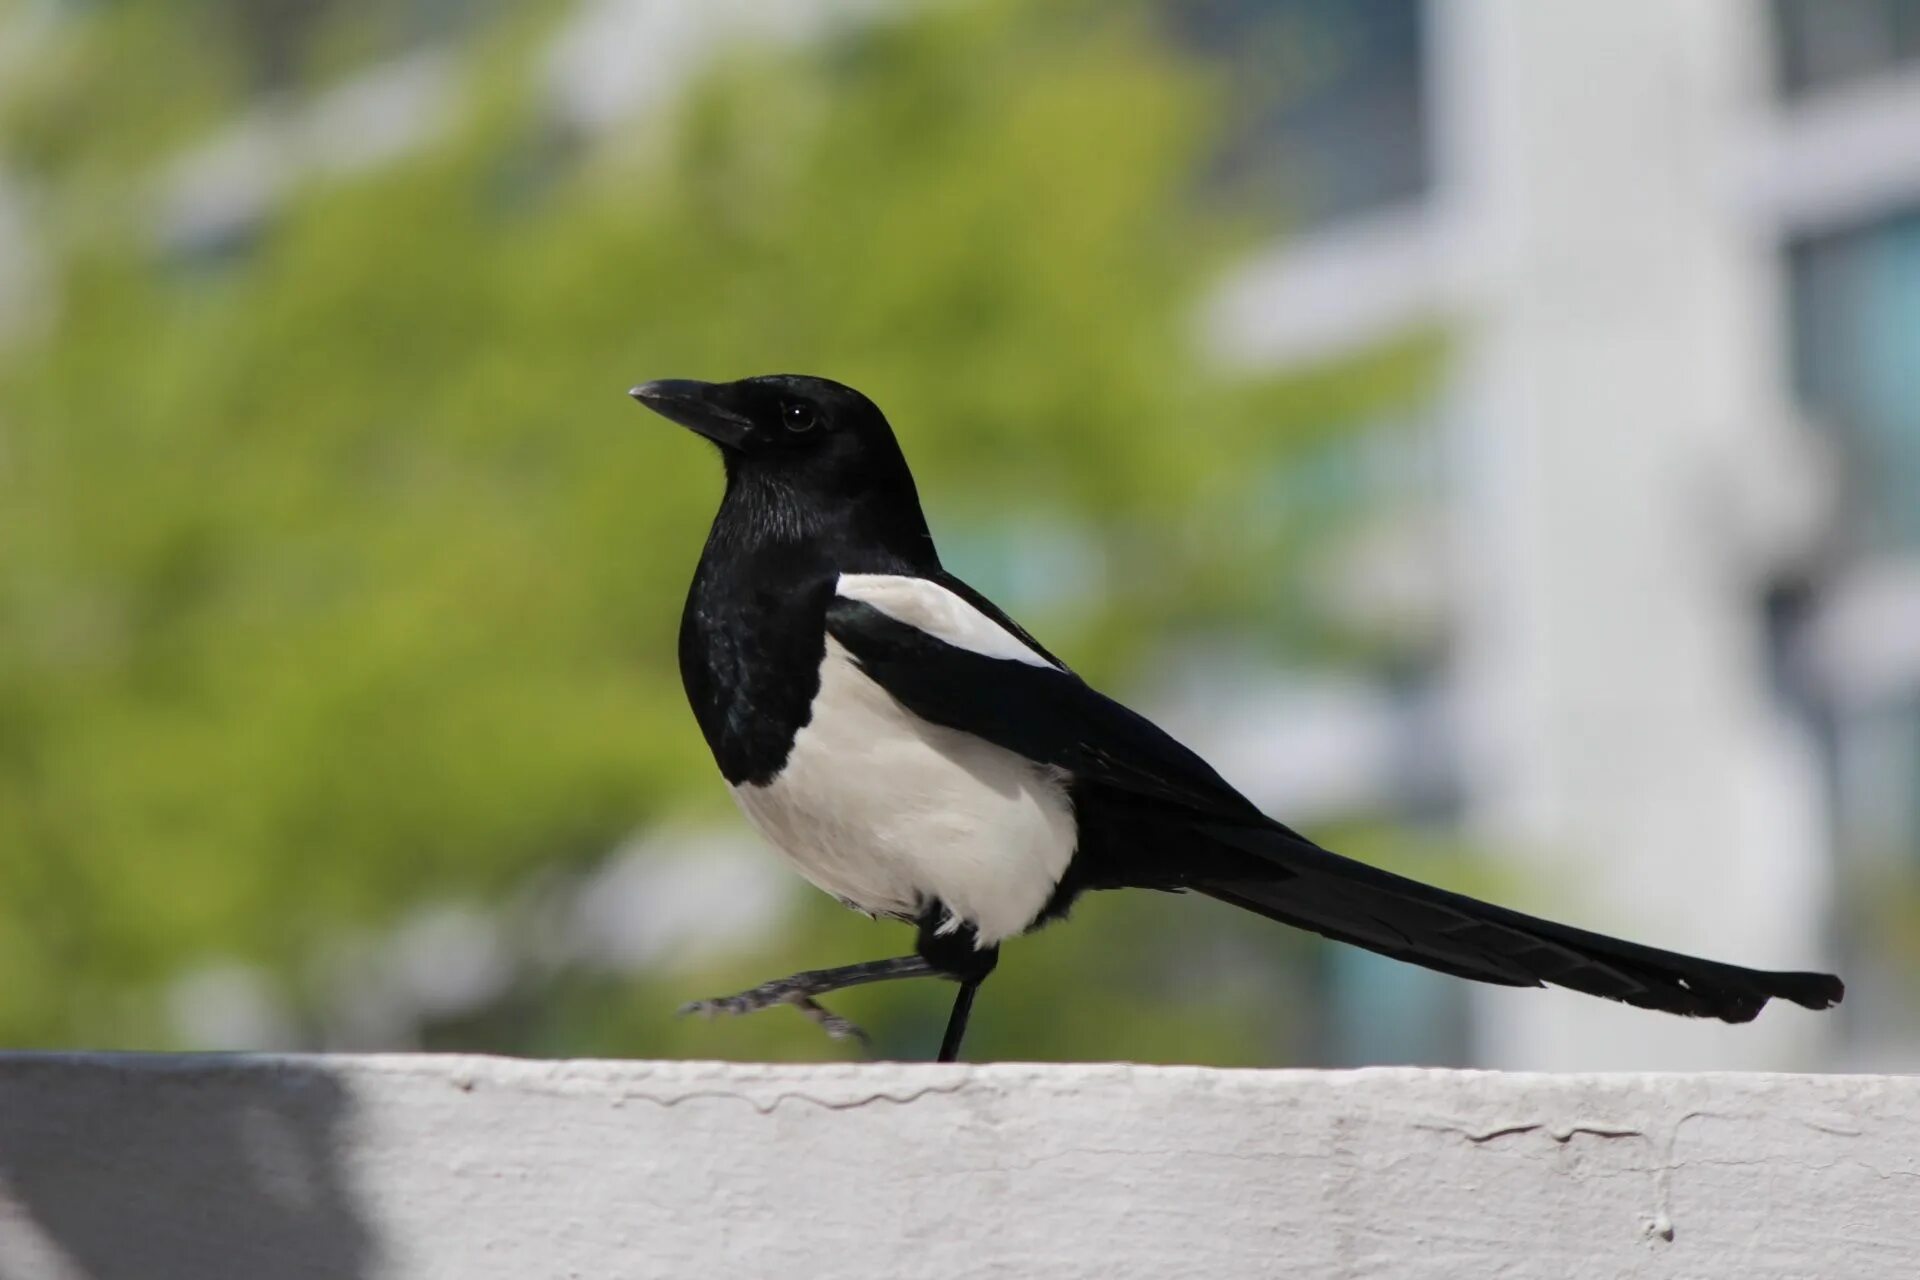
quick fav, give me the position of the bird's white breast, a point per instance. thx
(889, 812)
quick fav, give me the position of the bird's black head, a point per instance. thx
(805, 457)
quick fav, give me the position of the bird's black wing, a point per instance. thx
(1171, 821)
(1046, 713)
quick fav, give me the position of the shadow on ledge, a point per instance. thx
(106, 1175)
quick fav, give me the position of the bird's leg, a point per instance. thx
(954, 950)
(800, 990)
(957, 1021)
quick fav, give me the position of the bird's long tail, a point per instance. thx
(1283, 876)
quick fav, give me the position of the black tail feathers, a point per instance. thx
(1284, 877)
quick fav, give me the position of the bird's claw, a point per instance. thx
(833, 1024)
(765, 997)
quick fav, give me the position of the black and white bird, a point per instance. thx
(914, 752)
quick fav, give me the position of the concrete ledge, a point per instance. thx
(215, 1167)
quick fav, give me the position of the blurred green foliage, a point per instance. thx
(337, 575)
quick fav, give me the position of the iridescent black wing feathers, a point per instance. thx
(1154, 814)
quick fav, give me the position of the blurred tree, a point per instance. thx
(337, 575)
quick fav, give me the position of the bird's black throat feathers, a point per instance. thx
(800, 509)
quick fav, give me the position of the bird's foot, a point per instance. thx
(769, 994)
(800, 989)
(833, 1024)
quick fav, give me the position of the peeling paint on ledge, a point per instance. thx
(424, 1166)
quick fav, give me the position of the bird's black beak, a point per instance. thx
(698, 407)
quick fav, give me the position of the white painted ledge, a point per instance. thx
(476, 1168)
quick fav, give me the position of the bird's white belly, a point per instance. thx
(889, 812)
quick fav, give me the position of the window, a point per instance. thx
(1822, 43)
(1856, 321)
(1327, 98)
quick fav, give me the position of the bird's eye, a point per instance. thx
(799, 416)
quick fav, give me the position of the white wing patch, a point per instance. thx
(929, 607)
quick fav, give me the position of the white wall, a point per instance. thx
(415, 1167)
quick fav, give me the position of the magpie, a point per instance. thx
(916, 753)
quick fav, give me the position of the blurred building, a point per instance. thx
(1665, 581)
